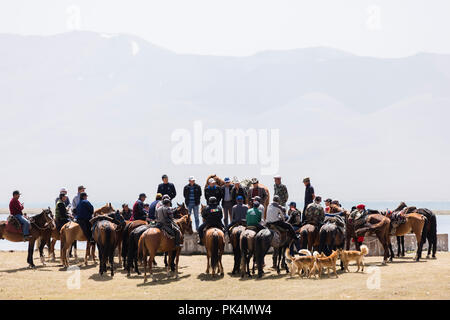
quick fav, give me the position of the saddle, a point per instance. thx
(358, 219)
(279, 235)
(398, 218)
(168, 231)
(13, 225)
(253, 228)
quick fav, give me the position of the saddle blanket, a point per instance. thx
(13, 225)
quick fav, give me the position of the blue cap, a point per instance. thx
(240, 198)
(227, 179)
(293, 204)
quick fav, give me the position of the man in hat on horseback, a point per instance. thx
(138, 208)
(212, 216)
(84, 212)
(61, 211)
(15, 209)
(275, 216)
(153, 205)
(315, 214)
(239, 213)
(76, 199)
(165, 219)
(254, 216)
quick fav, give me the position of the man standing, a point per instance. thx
(138, 208)
(212, 190)
(152, 210)
(238, 190)
(84, 212)
(167, 188)
(309, 195)
(227, 200)
(15, 209)
(76, 199)
(280, 190)
(257, 191)
(192, 193)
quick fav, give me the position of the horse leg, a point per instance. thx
(74, 246)
(111, 260)
(207, 261)
(399, 239)
(30, 253)
(52, 250)
(278, 260)
(145, 265)
(93, 252)
(421, 237)
(41, 252)
(177, 259)
(391, 251)
(86, 256)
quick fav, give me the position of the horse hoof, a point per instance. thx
(427, 257)
(433, 257)
(383, 263)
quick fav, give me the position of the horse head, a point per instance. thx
(44, 219)
(185, 223)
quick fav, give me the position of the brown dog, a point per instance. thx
(325, 262)
(300, 263)
(352, 255)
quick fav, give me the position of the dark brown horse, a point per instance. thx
(154, 240)
(104, 234)
(309, 237)
(40, 224)
(247, 245)
(235, 243)
(129, 227)
(214, 244)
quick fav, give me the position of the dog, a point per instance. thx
(300, 263)
(353, 255)
(322, 262)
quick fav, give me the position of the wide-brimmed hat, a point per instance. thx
(254, 180)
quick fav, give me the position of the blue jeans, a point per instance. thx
(25, 224)
(193, 207)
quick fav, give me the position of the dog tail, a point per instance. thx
(316, 254)
(305, 252)
(287, 253)
(364, 250)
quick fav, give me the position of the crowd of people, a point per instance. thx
(227, 205)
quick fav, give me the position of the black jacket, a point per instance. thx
(167, 188)
(222, 190)
(197, 194)
(212, 215)
(213, 192)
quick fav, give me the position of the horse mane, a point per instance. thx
(401, 206)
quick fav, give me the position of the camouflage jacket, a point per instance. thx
(314, 214)
(281, 191)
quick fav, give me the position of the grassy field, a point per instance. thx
(402, 279)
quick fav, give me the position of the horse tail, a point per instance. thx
(364, 250)
(262, 244)
(323, 239)
(215, 250)
(141, 247)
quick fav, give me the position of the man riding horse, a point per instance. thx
(212, 216)
(239, 213)
(314, 214)
(275, 217)
(15, 208)
(165, 219)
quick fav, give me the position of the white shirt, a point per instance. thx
(274, 213)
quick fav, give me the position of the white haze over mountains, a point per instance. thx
(99, 110)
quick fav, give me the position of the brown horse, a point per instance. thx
(379, 225)
(215, 244)
(247, 245)
(40, 224)
(129, 227)
(106, 209)
(71, 232)
(414, 223)
(309, 237)
(155, 241)
(104, 234)
(235, 243)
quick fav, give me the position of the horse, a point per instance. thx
(154, 240)
(133, 241)
(104, 234)
(214, 244)
(379, 225)
(271, 237)
(414, 223)
(39, 226)
(331, 236)
(429, 231)
(309, 237)
(129, 227)
(107, 208)
(247, 245)
(71, 232)
(235, 236)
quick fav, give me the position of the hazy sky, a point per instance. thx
(242, 27)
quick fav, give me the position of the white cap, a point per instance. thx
(277, 177)
(191, 178)
(63, 190)
(211, 180)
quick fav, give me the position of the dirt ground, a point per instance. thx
(402, 279)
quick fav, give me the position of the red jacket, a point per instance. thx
(15, 207)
